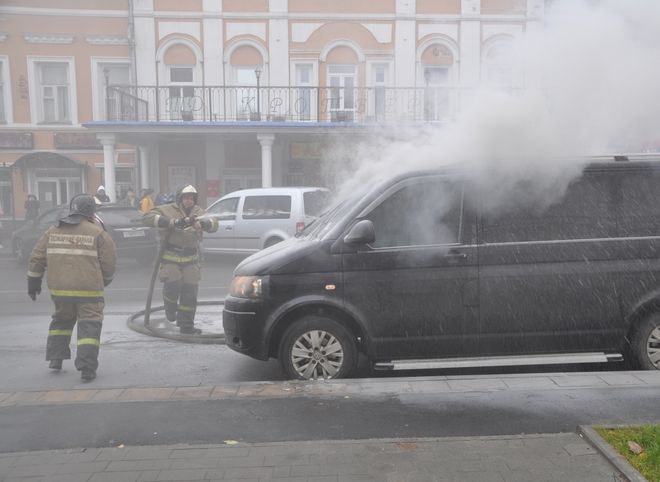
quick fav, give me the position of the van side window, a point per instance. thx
(420, 214)
(585, 211)
(640, 204)
(267, 207)
(225, 209)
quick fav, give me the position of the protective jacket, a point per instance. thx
(180, 240)
(81, 260)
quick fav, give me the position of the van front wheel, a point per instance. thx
(317, 347)
(646, 343)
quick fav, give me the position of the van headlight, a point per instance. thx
(247, 286)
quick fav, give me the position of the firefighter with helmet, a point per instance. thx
(80, 259)
(181, 232)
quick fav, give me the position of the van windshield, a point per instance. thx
(328, 219)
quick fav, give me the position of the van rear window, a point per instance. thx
(267, 207)
(315, 202)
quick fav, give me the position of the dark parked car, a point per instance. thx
(421, 272)
(133, 240)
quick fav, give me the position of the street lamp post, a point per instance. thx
(257, 74)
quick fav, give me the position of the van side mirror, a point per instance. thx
(362, 233)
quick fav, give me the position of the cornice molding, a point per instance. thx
(48, 38)
(106, 40)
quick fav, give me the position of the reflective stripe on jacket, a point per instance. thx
(189, 237)
(79, 259)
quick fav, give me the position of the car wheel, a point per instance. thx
(646, 343)
(272, 241)
(317, 347)
(18, 249)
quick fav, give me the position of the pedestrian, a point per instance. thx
(181, 232)
(31, 207)
(146, 203)
(80, 259)
(101, 195)
(130, 200)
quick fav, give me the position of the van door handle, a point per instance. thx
(228, 228)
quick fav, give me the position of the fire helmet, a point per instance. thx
(189, 189)
(81, 206)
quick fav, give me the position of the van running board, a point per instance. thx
(499, 361)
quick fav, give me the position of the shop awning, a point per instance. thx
(46, 160)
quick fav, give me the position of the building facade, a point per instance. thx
(228, 94)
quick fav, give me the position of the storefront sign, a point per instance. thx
(305, 150)
(16, 140)
(76, 140)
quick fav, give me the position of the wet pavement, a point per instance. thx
(467, 428)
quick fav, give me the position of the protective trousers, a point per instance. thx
(180, 284)
(89, 317)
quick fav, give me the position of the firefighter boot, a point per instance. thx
(87, 375)
(55, 365)
(190, 330)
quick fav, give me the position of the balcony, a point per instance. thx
(281, 104)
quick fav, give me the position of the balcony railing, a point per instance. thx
(280, 104)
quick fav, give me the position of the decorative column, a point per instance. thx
(144, 166)
(108, 142)
(266, 142)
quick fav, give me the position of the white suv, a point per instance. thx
(252, 219)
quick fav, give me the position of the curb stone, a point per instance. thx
(606, 450)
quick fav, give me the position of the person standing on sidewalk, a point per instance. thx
(146, 203)
(81, 259)
(180, 232)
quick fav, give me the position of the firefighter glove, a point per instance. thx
(180, 223)
(205, 223)
(34, 287)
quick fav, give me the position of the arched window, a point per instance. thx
(247, 63)
(342, 60)
(498, 66)
(437, 64)
(180, 72)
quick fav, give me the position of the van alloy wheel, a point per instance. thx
(653, 347)
(645, 343)
(317, 348)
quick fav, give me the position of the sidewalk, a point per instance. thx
(526, 457)
(552, 457)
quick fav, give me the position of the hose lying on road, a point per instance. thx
(204, 338)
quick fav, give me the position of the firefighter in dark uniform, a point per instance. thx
(181, 232)
(80, 258)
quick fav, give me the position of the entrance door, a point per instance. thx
(47, 192)
(416, 285)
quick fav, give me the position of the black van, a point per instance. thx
(421, 272)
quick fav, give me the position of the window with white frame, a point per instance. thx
(117, 74)
(245, 93)
(342, 81)
(380, 72)
(53, 84)
(302, 104)
(182, 92)
(3, 116)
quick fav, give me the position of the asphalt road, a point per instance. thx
(128, 289)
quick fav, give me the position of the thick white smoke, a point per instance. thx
(591, 77)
